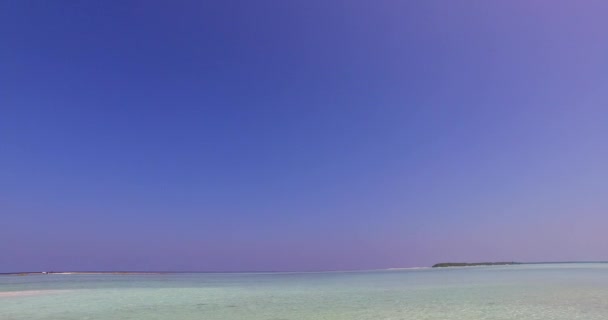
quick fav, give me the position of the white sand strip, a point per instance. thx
(29, 293)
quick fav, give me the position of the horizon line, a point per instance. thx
(267, 271)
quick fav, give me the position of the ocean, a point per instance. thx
(543, 292)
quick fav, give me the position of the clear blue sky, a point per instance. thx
(301, 135)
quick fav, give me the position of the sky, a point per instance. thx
(301, 135)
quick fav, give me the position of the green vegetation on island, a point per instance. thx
(465, 264)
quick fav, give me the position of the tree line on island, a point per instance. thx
(474, 264)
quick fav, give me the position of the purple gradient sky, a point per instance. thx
(301, 135)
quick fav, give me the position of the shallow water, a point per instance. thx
(556, 291)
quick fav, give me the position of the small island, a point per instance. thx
(475, 264)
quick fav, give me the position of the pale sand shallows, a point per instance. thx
(29, 293)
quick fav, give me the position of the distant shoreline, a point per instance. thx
(480, 264)
(438, 265)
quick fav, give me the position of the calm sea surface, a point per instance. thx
(555, 291)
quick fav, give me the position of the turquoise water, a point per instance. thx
(568, 291)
